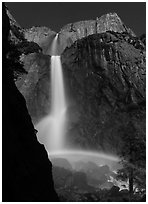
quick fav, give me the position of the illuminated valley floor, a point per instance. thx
(84, 175)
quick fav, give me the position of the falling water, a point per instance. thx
(58, 105)
(52, 129)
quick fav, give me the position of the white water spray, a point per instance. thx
(52, 129)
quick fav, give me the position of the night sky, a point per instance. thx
(57, 14)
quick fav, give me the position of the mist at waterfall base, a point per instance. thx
(52, 129)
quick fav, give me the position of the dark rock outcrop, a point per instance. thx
(62, 162)
(35, 85)
(80, 180)
(105, 77)
(27, 171)
(62, 177)
(95, 175)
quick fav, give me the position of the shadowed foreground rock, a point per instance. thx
(27, 171)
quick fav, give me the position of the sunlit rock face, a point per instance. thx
(74, 31)
(71, 32)
(43, 36)
(104, 72)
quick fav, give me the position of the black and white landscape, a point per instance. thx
(74, 111)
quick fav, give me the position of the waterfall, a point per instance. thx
(58, 105)
(52, 129)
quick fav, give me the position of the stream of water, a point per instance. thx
(52, 129)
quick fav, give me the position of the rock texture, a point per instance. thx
(104, 69)
(35, 86)
(27, 171)
(43, 36)
(72, 32)
(75, 31)
(105, 77)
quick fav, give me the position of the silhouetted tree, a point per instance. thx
(133, 159)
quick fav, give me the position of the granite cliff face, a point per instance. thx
(72, 32)
(27, 171)
(104, 69)
(75, 31)
(105, 77)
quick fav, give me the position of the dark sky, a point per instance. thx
(57, 14)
